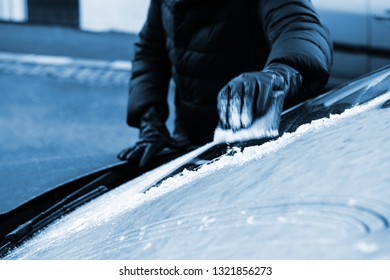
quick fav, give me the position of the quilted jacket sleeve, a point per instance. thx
(297, 38)
(150, 77)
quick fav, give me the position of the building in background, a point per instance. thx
(13, 10)
(90, 15)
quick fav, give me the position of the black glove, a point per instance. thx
(248, 96)
(153, 137)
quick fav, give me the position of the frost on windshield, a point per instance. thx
(319, 192)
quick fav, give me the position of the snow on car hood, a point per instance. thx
(319, 192)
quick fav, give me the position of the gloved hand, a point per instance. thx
(153, 137)
(248, 96)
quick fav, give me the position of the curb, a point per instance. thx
(119, 65)
(116, 72)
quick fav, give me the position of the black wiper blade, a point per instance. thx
(65, 206)
(24, 221)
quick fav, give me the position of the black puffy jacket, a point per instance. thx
(203, 44)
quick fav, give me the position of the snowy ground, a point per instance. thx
(319, 193)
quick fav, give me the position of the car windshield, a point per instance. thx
(324, 186)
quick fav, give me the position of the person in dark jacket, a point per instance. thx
(224, 56)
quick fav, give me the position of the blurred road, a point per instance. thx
(58, 41)
(59, 118)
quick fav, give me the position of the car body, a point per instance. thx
(320, 191)
(323, 196)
